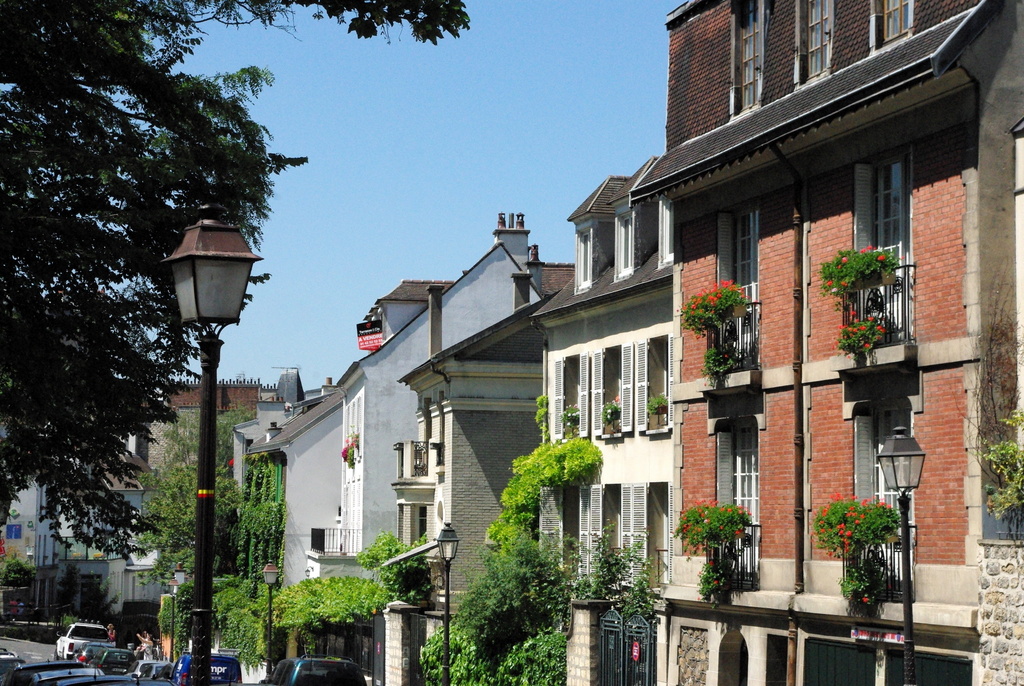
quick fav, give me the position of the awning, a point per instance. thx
(418, 550)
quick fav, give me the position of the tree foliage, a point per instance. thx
(260, 531)
(312, 604)
(16, 571)
(408, 580)
(170, 512)
(106, 149)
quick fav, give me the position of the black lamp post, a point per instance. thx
(448, 545)
(211, 271)
(902, 460)
(270, 572)
(178, 580)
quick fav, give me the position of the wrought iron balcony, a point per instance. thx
(740, 336)
(890, 304)
(743, 555)
(886, 558)
(415, 463)
(333, 541)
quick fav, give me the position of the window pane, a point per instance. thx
(746, 253)
(745, 446)
(750, 51)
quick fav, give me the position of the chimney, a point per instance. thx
(273, 431)
(536, 267)
(516, 240)
(434, 293)
(520, 289)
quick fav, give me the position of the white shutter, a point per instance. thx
(863, 458)
(584, 396)
(726, 247)
(634, 521)
(558, 401)
(551, 511)
(597, 397)
(584, 529)
(670, 527)
(641, 385)
(863, 205)
(726, 468)
(670, 366)
(626, 418)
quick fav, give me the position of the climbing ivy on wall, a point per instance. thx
(260, 520)
(551, 464)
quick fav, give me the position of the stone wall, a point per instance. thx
(693, 657)
(1001, 618)
(582, 661)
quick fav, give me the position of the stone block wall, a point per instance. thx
(582, 659)
(692, 659)
(1001, 612)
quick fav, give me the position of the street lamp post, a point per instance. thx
(211, 271)
(902, 460)
(270, 573)
(178, 580)
(448, 545)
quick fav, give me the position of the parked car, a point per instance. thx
(150, 669)
(224, 669)
(8, 661)
(49, 677)
(22, 674)
(86, 652)
(311, 670)
(114, 660)
(77, 634)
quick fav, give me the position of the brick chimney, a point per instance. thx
(434, 293)
(516, 239)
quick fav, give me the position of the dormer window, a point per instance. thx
(665, 248)
(898, 16)
(584, 258)
(819, 33)
(624, 240)
(748, 55)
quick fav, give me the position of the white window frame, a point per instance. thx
(883, 211)
(739, 470)
(739, 235)
(871, 429)
(584, 258)
(666, 248)
(625, 240)
(819, 36)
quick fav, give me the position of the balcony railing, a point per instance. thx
(741, 335)
(73, 550)
(743, 554)
(415, 464)
(334, 541)
(886, 558)
(890, 304)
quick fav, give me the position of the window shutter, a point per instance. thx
(863, 205)
(558, 404)
(670, 367)
(597, 396)
(584, 397)
(626, 418)
(726, 468)
(634, 521)
(726, 247)
(641, 385)
(585, 529)
(670, 529)
(551, 511)
(863, 458)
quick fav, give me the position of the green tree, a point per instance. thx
(106, 149)
(16, 571)
(170, 512)
(408, 580)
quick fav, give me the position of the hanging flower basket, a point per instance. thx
(848, 529)
(711, 527)
(350, 449)
(709, 309)
(859, 338)
(854, 270)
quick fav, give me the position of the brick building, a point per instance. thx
(797, 129)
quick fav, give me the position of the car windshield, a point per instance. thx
(8, 664)
(93, 633)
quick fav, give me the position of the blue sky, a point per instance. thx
(414, 149)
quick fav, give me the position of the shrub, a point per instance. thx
(17, 572)
(408, 580)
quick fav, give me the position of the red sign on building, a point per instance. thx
(370, 334)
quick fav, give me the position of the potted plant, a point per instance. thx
(657, 404)
(854, 270)
(859, 338)
(611, 412)
(848, 529)
(714, 529)
(571, 421)
(718, 362)
(710, 308)
(349, 450)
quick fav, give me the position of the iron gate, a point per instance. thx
(626, 650)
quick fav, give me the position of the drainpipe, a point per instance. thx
(799, 506)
